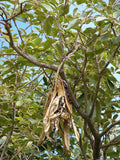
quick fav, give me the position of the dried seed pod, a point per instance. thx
(67, 93)
(58, 108)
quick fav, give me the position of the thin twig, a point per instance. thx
(40, 92)
(19, 150)
(92, 40)
(8, 54)
(81, 147)
(65, 42)
(17, 14)
(81, 39)
(23, 72)
(1, 8)
(83, 21)
(19, 32)
(33, 79)
(95, 96)
(47, 75)
(113, 29)
(96, 60)
(85, 35)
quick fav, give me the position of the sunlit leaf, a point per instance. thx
(21, 1)
(99, 7)
(19, 103)
(47, 7)
(116, 14)
(72, 23)
(100, 18)
(22, 19)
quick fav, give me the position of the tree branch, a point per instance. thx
(99, 78)
(85, 35)
(79, 110)
(113, 142)
(109, 61)
(1, 8)
(32, 60)
(87, 134)
(108, 128)
(17, 14)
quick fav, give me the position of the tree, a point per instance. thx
(35, 38)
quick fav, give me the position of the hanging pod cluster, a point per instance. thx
(58, 114)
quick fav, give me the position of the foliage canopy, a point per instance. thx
(36, 35)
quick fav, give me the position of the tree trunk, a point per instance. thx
(96, 149)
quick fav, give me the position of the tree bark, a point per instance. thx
(96, 149)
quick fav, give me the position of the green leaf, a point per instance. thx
(19, 103)
(116, 40)
(72, 23)
(65, 10)
(19, 119)
(48, 43)
(116, 14)
(47, 7)
(89, 106)
(85, 144)
(9, 79)
(48, 24)
(100, 18)
(21, 19)
(80, 99)
(104, 37)
(2, 140)
(6, 130)
(100, 7)
(4, 120)
(21, 1)
(115, 116)
(111, 85)
(113, 154)
(81, 1)
(106, 27)
(45, 80)
(37, 41)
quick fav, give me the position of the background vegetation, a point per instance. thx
(35, 37)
